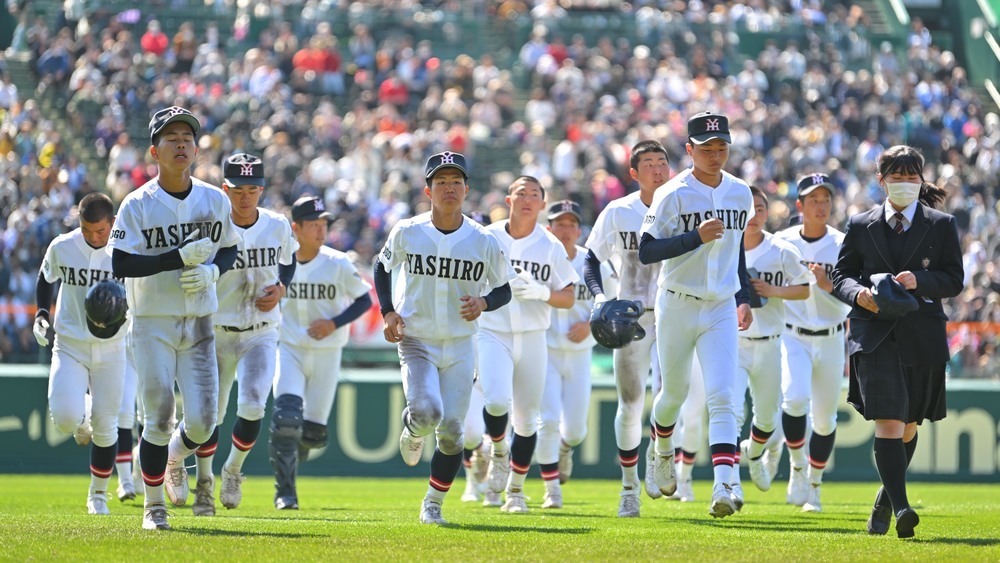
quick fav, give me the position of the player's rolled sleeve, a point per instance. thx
(289, 246)
(501, 270)
(563, 272)
(351, 283)
(392, 253)
(126, 235)
(791, 262)
(50, 266)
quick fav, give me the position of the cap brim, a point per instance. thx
(554, 216)
(825, 185)
(313, 216)
(232, 183)
(104, 332)
(706, 137)
(191, 120)
(438, 168)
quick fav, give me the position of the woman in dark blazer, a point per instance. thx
(897, 365)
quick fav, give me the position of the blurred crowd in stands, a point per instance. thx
(353, 117)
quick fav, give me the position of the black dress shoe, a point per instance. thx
(878, 522)
(906, 520)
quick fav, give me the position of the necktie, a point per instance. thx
(899, 223)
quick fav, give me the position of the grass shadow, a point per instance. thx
(972, 542)
(503, 528)
(214, 532)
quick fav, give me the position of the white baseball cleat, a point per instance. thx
(410, 447)
(812, 503)
(565, 463)
(759, 473)
(204, 501)
(231, 492)
(176, 484)
(83, 433)
(126, 490)
(480, 464)
(498, 472)
(771, 458)
(736, 493)
(492, 499)
(471, 493)
(97, 503)
(552, 498)
(722, 501)
(685, 491)
(652, 491)
(628, 506)
(516, 503)
(664, 474)
(798, 487)
(155, 518)
(430, 513)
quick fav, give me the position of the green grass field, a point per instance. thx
(44, 518)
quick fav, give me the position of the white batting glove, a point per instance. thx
(601, 298)
(199, 278)
(40, 330)
(529, 289)
(194, 252)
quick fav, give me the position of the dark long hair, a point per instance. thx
(903, 159)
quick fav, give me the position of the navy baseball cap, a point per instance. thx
(446, 159)
(810, 183)
(243, 169)
(166, 116)
(560, 208)
(309, 208)
(705, 126)
(893, 300)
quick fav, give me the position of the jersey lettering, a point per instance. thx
(82, 277)
(732, 219)
(444, 267)
(256, 258)
(773, 278)
(540, 272)
(172, 235)
(302, 290)
(630, 240)
(582, 292)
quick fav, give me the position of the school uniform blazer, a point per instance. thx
(932, 252)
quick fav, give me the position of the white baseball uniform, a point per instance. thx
(172, 329)
(695, 309)
(812, 365)
(511, 342)
(321, 288)
(79, 359)
(437, 353)
(246, 339)
(615, 240)
(566, 396)
(778, 263)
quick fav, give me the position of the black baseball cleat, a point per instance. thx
(878, 522)
(286, 503)
(906, 520)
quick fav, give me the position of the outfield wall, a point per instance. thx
(365, 426)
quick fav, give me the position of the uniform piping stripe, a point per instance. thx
(797, 444)
(665, 433)
(440, 485)
(519, 469)
(499, 438)
(102, 473)
(154, 480)
(736, 457)
(758, 439)
(241, 445)
(123, 457)
(207, 451)
(628, 461)
(722, 459)
(817, 464)
(550, 475)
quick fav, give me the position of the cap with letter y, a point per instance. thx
(243, 169)
(705, 126)
(446, 159)
(169, 115)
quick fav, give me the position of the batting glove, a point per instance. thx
(40, 330)
(194, 252)
(199, 278)
(528, 289)
(601, 298)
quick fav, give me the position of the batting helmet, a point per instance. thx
(106, 307)
(615, 323)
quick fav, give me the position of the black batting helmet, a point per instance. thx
(106, 307)
(615, 323)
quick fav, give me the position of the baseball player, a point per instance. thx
(447, 262)
(126, 420)
(615, 240)
(511, 345)
(326, 294)
(475, 458)
(171, 241)
(695, 227)
(81, 357)
(813, 351)
(776, 275)
(246, 326)
(566, 397)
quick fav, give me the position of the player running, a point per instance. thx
(171, 241)
(447, 261)
(813, 351)
(83, 355)
(695, 227)
(325, 295)
(246, 326)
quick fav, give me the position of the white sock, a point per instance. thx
(234, 463)
(736, 475)
(204, 467)
(124, 469)
(552, 486)
(435, 495)
(815, 476)
(153, 495)
(500, 447)
(630, 475)
(684, 471)
(723, 473)
(98, 485)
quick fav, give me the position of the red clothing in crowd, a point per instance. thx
(155, 42)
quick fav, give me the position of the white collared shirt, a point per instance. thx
(907, 212)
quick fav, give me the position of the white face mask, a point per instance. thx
(903, 193)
